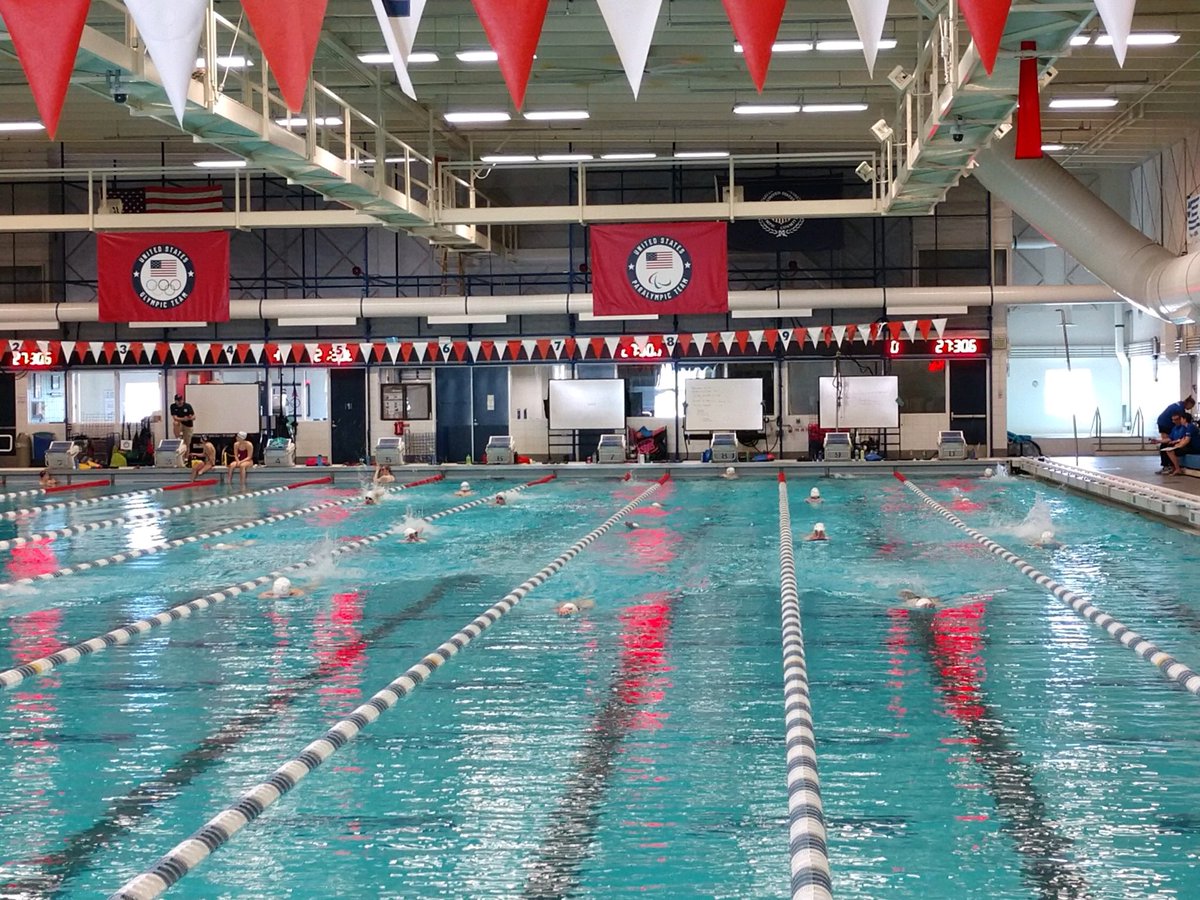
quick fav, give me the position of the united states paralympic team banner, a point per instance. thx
(663, 268)
(163, 276)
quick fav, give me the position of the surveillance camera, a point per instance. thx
(119, 96)
(956, 133)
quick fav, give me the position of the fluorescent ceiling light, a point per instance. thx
(467, 118)
(628, 157)
(766, 109)
(227, 62)
(702, 154)
(1081, 40)
(497, 159)
(1053, 148)
(21, 126)
(383, 59)
(477, 319)
(301, 122)
(836, 46)
(550, 115)
(565, 157)
(317, 321)
(1142, 39)
(834, 107)
(782, 47)
(221, 163)
(1083, 103)
(476, 56)
(769, 313)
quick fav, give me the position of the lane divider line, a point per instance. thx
(83, 501)
(138, 518)
(79, 486)
(28, 492)
(1172, 668)
(218, 831)
(184, 485)
(811, 879)
(328, 479)
(123, 634)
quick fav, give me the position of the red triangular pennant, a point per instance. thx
(597, 345)
(514, 350)
(288, 33)
(406, 351)
(543, 347)
(894, 329)
(741, 338)
(851, 331)
(924, 325)
(460, 350)
(569, 348)
(799, 335)
(755, 25)
(771, 338)
(1029, 108)
(827, 335)
(985, 20)
(46, 44)
(487, 350)
(714, 341)
(513, 28)
(378, 350)
(162, 353)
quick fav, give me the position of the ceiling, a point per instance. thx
(693, 81)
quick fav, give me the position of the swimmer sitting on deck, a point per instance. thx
(281, 588)
(570, 607)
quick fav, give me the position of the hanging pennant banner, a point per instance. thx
(1029, 109)
(399, 21)
(755, 25)
(171, 32)
(985, 20)
(288, 33)
(163, 277)
(46, 43)
(1118, 20)
(666, 269)
(869, 18)
(631, 24)
(513, 28)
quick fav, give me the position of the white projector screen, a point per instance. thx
(866, 402)
(723, 404)
(587, 403)
(225, 408)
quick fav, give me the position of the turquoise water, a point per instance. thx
(999, 747)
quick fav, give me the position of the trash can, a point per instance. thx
(24, 448)
(41, 443)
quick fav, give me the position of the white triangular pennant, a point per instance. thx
(910, 328)
(756, 339)
(939, 325)
(68, 347)
(839, 332)
(393, 350)
(473, 348)
(631, 24)
(530, 348)
(176, 352)
(1118, 20)
(864, 332)
(612, 343)
(869, 18)
(399, 34)
(171, 32)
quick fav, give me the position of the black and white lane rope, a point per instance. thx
(219, 830)
(71, 654)
(809, 855)
(1172, 668)
(137, 518)
(79, 501)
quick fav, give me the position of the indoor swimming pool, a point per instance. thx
(997, 746)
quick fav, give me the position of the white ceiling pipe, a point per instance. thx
(1054, 202)
(787, 302)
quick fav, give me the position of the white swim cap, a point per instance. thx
(567, 609)
(465, 486)
(819, 528)
(730, 471)
(282, 587)
(814, 493)
(988, 473)
(409, 532)
(1047, 536)
(241, 435)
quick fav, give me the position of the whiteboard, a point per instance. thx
(587, 403)
(723, 404)
(225, 408)
(866, 402)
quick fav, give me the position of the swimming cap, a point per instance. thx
(1047, 536)
(819, 528)
(241, 435)
(465, 486)
(988, 473)
(814, 493)
(567, 609)
(730, 471)
(409, 532)
(282, 587)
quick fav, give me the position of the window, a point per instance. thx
(46, 396)
(804, 390)
(406, 401)
(300, 394)
(922, 384)
(94, 398)
(141, 396)
(1068, 391)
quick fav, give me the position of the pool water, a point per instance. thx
(998, 747)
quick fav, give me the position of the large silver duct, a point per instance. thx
(1052, 200)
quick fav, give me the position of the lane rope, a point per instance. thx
(811, 879)
(138, 518)
(78, 486)
(1172, 668)
(82, 501)
(218, 831)
(125, 633)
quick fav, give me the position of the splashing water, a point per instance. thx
(1036, 522)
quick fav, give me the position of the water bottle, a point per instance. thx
(469, 459)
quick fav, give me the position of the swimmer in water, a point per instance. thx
(818, 533)
(383, 475)
(632, 526)
(1048, 541)
(373, 496)
(916, 601)
(412, 536)
(988, 473)
(46, 480)
(232, 545)
(464, 490)
(281, 588)
(730, 473)
(570, 607)
(814, 496)
(656, 505)
(500, 501)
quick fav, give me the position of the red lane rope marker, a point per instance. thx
(207, 482)
(546, 480)
(782, 478)
(77, 487)
(328, 479)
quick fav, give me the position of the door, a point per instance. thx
(452, 410)
(8, 412)
(348, 416)
(490, 391)
(969, 400)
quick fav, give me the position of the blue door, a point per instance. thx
(491, 404)
(452, 388)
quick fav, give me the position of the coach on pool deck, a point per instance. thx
(184, 418)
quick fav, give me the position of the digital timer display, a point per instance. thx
(31, 359)
(945, 347)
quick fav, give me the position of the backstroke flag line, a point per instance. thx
(172, 35)
(163, 276)
(631, 24)
(665, 269)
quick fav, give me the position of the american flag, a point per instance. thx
(166, 268)
(660, 259)
(192, 198)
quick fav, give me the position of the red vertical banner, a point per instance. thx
(666, 269)
(1029, 109)
(46, 41)
(163, 277)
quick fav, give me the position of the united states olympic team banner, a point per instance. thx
(663, 268)
(163, 277)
